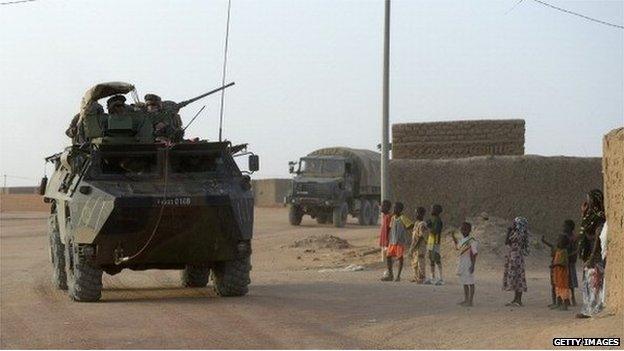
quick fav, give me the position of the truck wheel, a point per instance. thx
(295, 215)
(84, 282)
(364, 217)
(340, 215)
(195, 276)
(57, 254)
(231, 278)
(375, 211)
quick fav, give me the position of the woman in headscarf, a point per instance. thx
(518, 246)
(590, 252)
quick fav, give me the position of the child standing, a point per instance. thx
(553, 295)
(418, 247)
(384, 230)
(433, 244)
(568, 229)
(397, 241)
(467, 247)
(560, 273)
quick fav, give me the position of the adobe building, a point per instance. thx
(470, 167)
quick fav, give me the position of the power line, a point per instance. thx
(578, 14)
(15, 2)
(514, 6)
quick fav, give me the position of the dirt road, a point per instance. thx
(290, 305)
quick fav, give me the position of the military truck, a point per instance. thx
(332, 183)
(120, 200)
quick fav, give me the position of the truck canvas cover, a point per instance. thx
(366, 164)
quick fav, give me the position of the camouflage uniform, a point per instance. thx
(75, 130)
(116, 105)
(167, 122)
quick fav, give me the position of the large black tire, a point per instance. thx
(231, 278)
(195, 276)
(84, 282)
(57, 254)
(375, 212)
(340, 215)
(364, 216)
(294, 215)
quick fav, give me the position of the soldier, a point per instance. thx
(167, 126)
(153, 103)
(74, 130)
(116, 105)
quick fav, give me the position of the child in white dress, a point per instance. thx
(468, 248)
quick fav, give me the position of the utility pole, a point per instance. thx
(385, 119)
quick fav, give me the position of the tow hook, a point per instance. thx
(118, 255)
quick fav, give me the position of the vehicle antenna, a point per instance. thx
(197, 114)
(225, 50)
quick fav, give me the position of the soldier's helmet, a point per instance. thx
(153, 102)
(117, 100)
(152, 98)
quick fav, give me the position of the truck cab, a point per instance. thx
(328, 187)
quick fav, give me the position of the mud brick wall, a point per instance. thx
(435, 140)
(270, 192)
(613, 168)
(546, 190)
(19, 190)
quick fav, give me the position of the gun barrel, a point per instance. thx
(189, 101)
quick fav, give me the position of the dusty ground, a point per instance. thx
(290, 305)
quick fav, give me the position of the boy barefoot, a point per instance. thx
(397, 241)
(467, 247)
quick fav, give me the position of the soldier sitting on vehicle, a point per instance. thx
(167, 122)
(116, 105)
(153, 103)
(75, 130)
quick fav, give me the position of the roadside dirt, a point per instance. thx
(295, 301)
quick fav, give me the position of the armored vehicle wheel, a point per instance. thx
(375, 211)
(322, 218)
(364, 217)
(57, 254)
(84, 282)
(295, 215)
(231, 278)
(195, 276)
(340, 215)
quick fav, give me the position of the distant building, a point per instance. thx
(457, 139)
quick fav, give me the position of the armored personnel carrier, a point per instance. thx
(120, 199)
(331, 183)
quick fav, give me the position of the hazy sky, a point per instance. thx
(308, 73)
